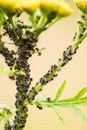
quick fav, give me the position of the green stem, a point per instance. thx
(1, 44)
(39, 87)
(76, 43)
(33, 21)
(42, 21)
(59, 65)
(62, 103)
(79, 41)
(53, 21)
(14, 29)
(13, 26)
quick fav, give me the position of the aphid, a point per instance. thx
(48, 99)
(40, 108)
(81, 35)
(75, 36)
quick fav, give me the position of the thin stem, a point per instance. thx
(14, 29)
(79, 41)
(1, 44)
(42, 21)
(67, 56)
(62, 103)
(59, 65)
(32, 18)
(13, 26)
(53, 21)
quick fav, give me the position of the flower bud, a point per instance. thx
(82, 5)
(10, 6)
(58, 6)
(30, 6)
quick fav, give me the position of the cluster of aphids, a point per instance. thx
(26, 47)
(24, 38)
(49, 76)
(82, 27)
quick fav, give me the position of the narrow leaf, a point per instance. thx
(60, 91)
(5, 112)
(42, 98)
(5, 71)
(58, 114)
(81, 93)
(79, 113)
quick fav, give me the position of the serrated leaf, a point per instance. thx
(60, 91)
(79, 113)
(58, 114)
(81, 93)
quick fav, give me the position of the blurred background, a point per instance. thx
(55, 40)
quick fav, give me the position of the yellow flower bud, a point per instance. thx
(30, 5)
(59, 6)
(82, 5)
(10, 6)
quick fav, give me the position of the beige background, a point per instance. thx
(56, 40)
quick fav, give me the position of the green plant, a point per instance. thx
(24, 36)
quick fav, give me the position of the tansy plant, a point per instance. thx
(24, 36)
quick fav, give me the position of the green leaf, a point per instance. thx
(60, 91)
(58, 113)
(42, 98)
(81, 93)
(5, 112)
(79, 113)
(6, 71)
(20, 72)
(69, 102)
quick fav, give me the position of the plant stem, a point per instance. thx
(17, 34)
(23, 83)
(67, 56)
(62, 103)
(32, 18)
(13, 26)
(53, 21)
(79, 41)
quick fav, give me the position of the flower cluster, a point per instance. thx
(37, 8)
(9, 7)
(42, 14)
(60, 6)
